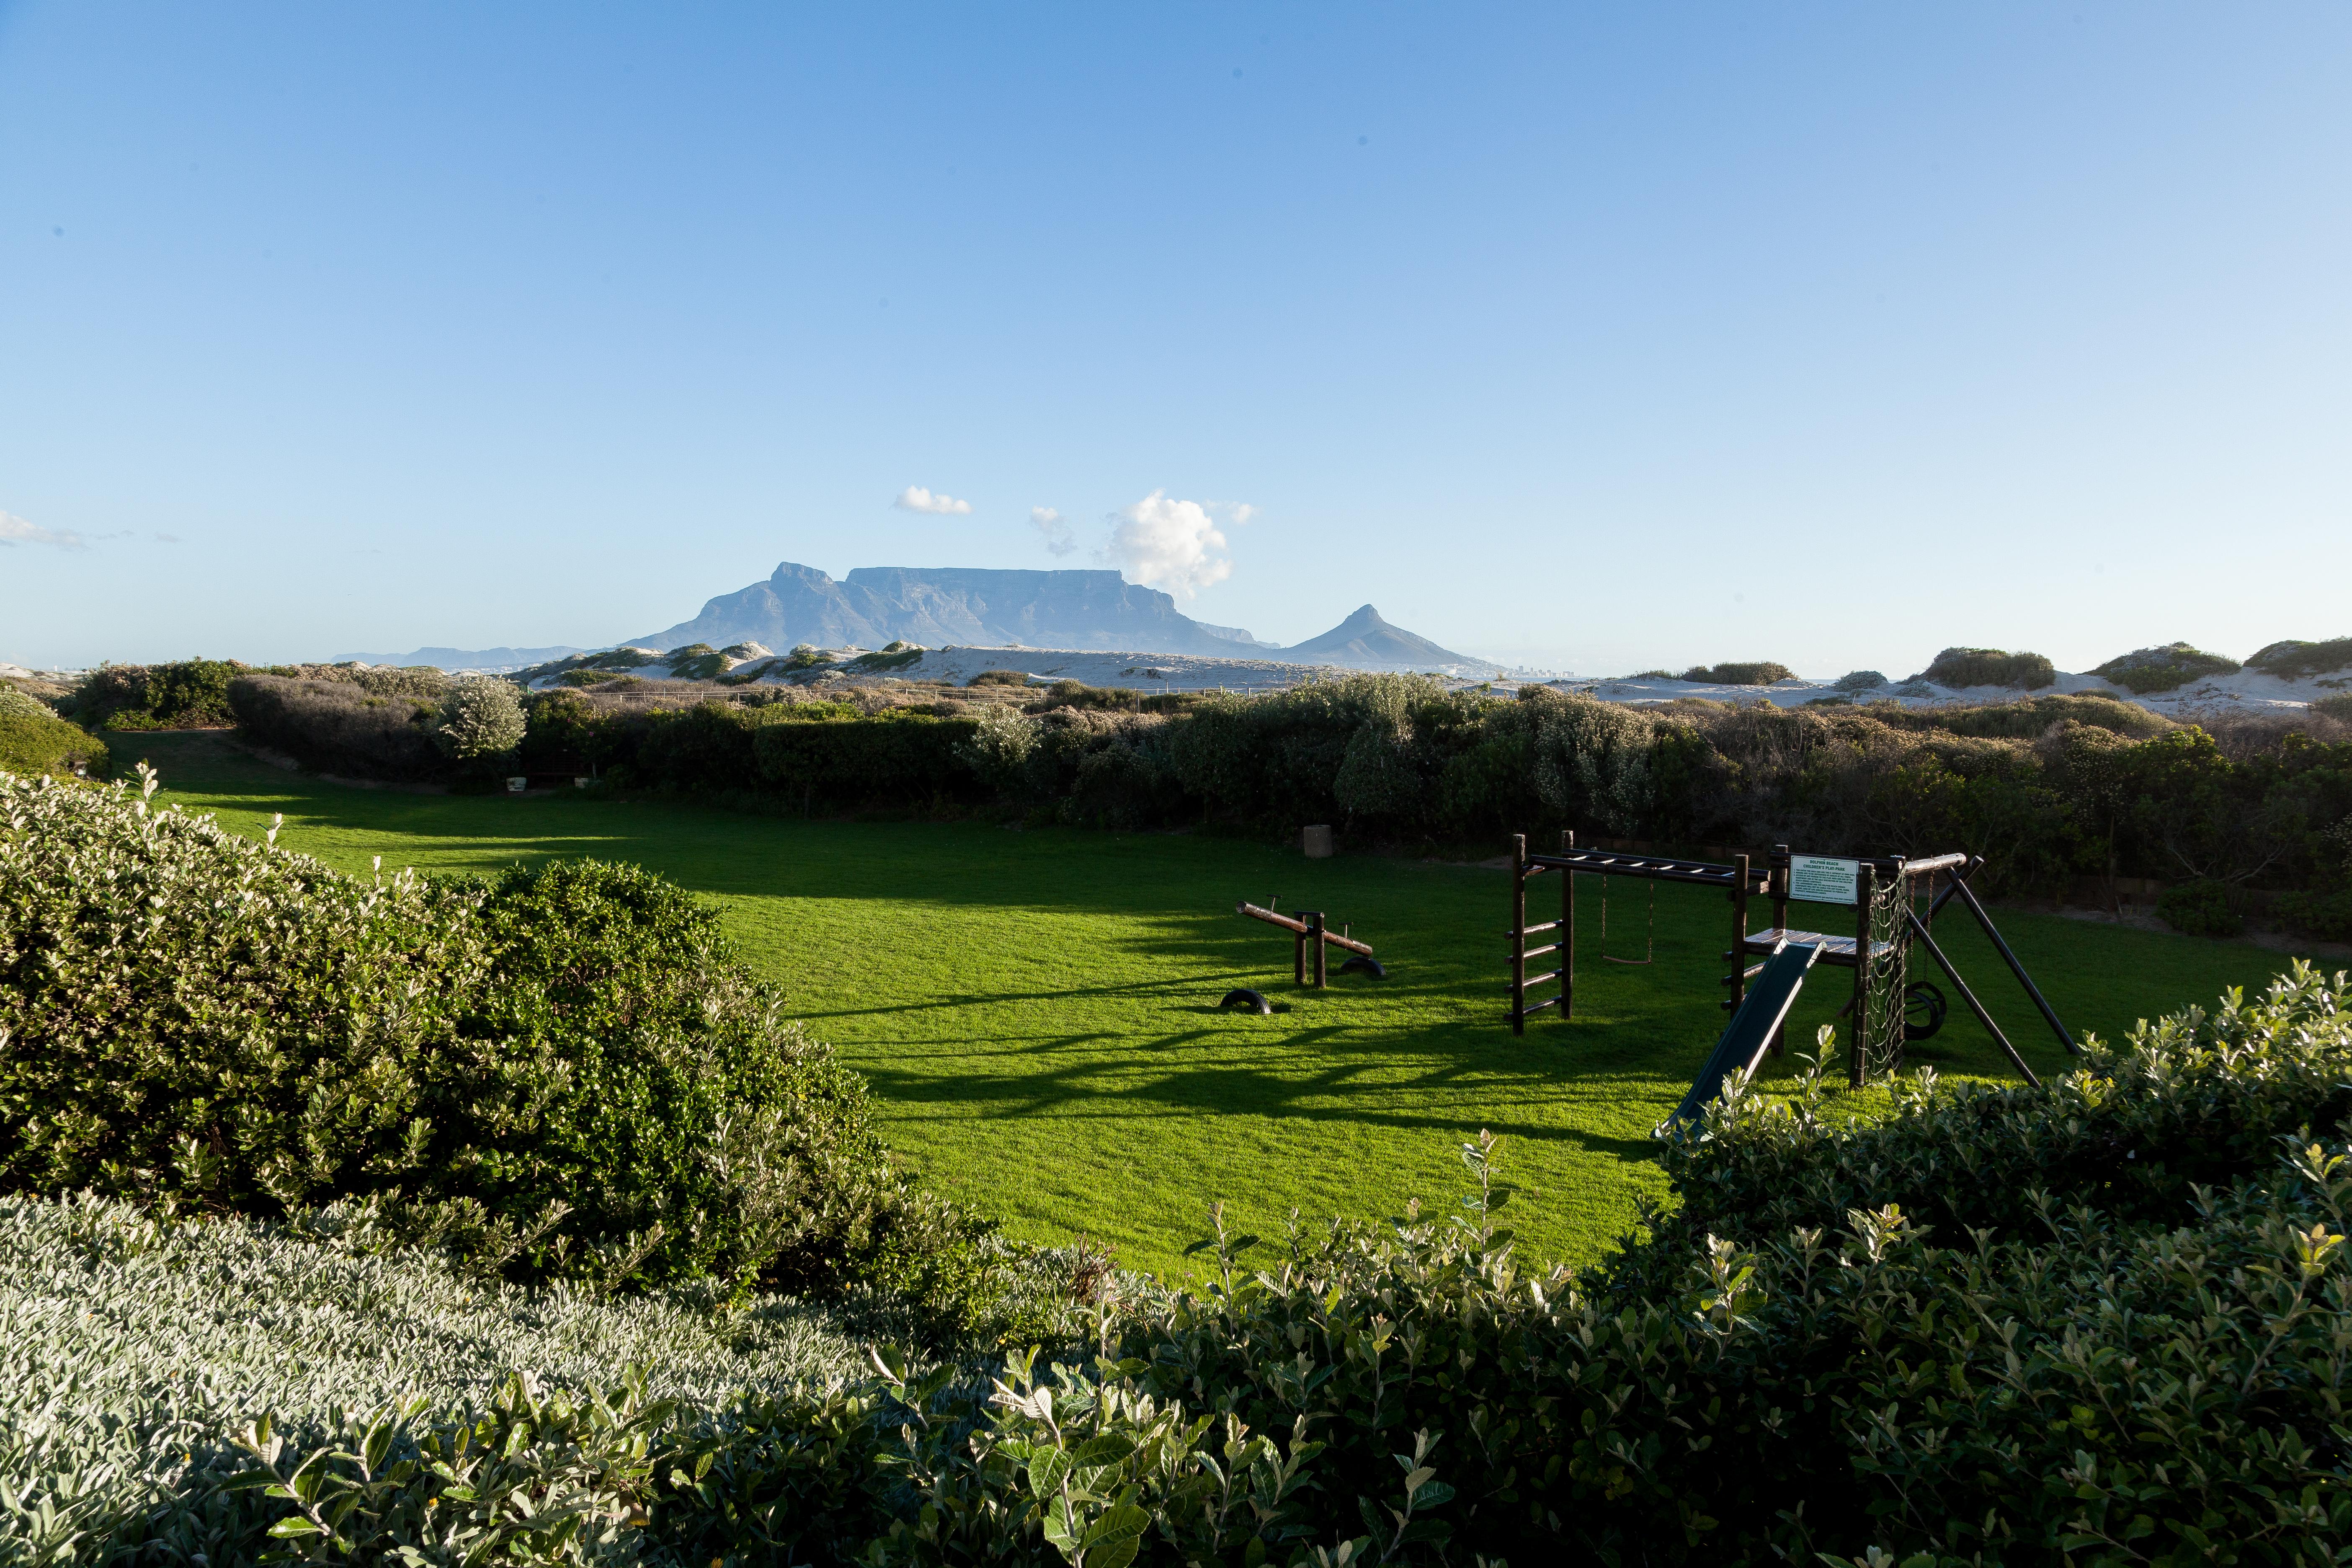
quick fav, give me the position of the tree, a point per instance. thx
(479, 719)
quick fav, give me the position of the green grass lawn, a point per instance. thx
(1036, 1009)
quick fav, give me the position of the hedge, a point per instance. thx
(339, 727)
(888, 759)
(2049, 787)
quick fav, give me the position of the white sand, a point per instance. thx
(2245, 691)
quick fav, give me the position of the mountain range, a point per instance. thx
(979, 607)
(1082, 611)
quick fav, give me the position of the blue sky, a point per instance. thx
(1600, 337)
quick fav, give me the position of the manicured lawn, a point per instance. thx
(1036, 1009)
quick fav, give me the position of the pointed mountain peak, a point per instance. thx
(1366, 641)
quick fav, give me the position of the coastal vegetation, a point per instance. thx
(624, 1157)
(1782, 1357)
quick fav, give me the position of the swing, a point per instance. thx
(1649, 948)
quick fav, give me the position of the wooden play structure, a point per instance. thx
(1886, 1006)
(1308, 931)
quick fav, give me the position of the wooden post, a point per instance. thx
(1298, 958)
(1567, 931)
(1777, 875)
(1315, 938)
(1865, 887)
(1518, 934)
(1739, 981)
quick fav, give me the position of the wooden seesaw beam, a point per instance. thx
(1307, 931)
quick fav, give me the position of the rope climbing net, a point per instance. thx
(1883, 992)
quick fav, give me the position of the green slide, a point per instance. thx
(1752, 1028)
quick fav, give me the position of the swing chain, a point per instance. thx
(1650, 943)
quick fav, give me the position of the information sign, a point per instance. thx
(1822, 879)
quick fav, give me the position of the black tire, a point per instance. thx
(1359, 965)
(1923, 1010)
(1244, 999)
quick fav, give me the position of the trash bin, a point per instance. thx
(1319, 841)
(517, 785)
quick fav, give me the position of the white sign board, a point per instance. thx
(1820, 879)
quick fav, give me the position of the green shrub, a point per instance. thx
(1078, 694)
(37, 742)
(621, 659)
(2200, 908)
(1964, 666)
(898, 656)
(2033, 716)
(584, 678)
(2338, 707)
(1756, 674)
(807, 657)
(2327, 916)
(423, 682)
(337, 727)
(2165, 668)
(705, 748)
(1860, 680)
(15, 704)
(564, 1072)
(479, 719)
(698, 661)
(998, 677)
(190, 694)
(1591, 759)
(2292, 661)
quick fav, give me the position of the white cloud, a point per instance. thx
(16, 530)
(1057, 529)
(1172, 545)
(915, 498)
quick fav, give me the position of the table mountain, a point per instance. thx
(968, 606)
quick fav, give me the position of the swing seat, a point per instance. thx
(1836, 950)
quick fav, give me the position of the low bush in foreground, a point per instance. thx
(566, 1072)
(2106, 1320)
(166, 1332)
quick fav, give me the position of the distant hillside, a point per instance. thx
(1365, 641)
(466, 658)
(968, 606)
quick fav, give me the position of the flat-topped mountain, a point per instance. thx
(951, 605)
(971, 606)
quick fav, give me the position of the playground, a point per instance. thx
(1038, 1011)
